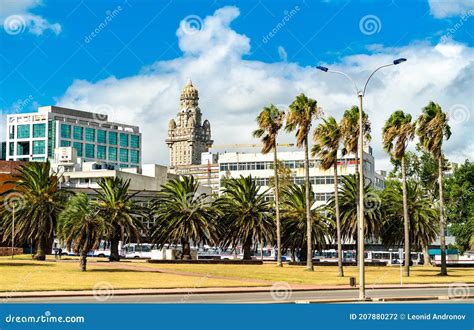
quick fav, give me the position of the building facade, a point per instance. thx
(188, 137)
(35, 136)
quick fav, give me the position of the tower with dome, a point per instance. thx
(188, 135)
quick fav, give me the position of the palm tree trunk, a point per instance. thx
(114, 246)
(83, 260)
(247, 247)
(338, 223)
(426, 256)
(406, 220)
(277, 206)
(40, 250)
(442, 240)
(186, 249)
(309, 260)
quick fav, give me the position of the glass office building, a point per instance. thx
(34, 136)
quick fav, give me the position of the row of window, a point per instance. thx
(90, 134)
(318, 197)
(91, 151)
(23, 148)
(25, 132)
(251, 166)
(300, 180)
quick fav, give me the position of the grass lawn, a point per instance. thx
(28, 275)
(326, 275)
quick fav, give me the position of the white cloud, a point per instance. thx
(233, 89)
(449, 8)
(16, 17)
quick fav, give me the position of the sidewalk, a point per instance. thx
(292, 287)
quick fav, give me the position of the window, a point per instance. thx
(134, 141)
(113, 138)
(101, 152)
(39, 130)
(23, 131)
(65, 131)
(78, 147)
(65, 143)
(90, 134)
(113, 153)
(78, 133)
(101, 136)
(11, 131)
(39, 147)
(11, 149)
(90, 150)
(134, 156)
(123, 140)
(23, 148)
(123, 155)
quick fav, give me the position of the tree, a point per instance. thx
(432, 129)
(327, 139)
(183, 215)
(294, 223)
(397, 133)
(36, 201)
(460, 205)
(422, 214)
(80, 227)
(116, 204)
(270, 121)
(347, 198)
(301, 114)
(285, 179)
(245, 214)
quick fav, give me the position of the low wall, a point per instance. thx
(208, 261)
(7, 251)
(316, 263)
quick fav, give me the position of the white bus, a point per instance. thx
(137, 250)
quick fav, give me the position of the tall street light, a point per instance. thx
(360, 222)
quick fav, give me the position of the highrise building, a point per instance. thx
(188, 138)
(35, 136)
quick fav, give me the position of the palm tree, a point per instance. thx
(183, 215)
(270, 121)
(348, 193)
(245, 214)
(432, 128)
(397, 133)
(80, 227)
(294, 223)
(116, 204)
(327, 138)
(301, 114)
(37, 202)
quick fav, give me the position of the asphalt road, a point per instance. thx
(253, 297)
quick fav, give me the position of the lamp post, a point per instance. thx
(360, 223)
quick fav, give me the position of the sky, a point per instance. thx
(130, 59)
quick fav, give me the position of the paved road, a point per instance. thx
(251, 297)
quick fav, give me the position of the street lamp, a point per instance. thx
(360, 223)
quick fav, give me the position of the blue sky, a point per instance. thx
(51, 57)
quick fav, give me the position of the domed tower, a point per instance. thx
(187, 137)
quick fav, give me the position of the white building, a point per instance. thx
(35, 136)
(260, 166)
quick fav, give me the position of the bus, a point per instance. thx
(137, 250)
